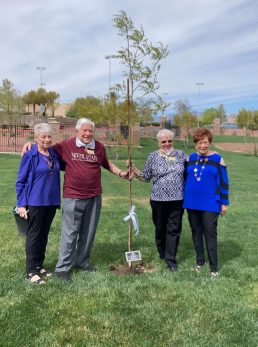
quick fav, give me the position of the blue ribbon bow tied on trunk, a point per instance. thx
(132, 215)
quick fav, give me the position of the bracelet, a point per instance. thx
(120, 174)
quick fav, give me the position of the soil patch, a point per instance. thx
(236, 147)
(135, 269)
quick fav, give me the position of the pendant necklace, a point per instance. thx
(50, 162)
(203, 162)
(170, 156)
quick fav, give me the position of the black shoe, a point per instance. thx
(162, 255)
(64, 276)
(91, 268)
(173, 268)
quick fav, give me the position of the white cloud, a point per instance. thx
(210, 41)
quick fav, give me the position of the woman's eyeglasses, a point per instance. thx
(166, 141)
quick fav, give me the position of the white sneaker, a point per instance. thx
(214, 274)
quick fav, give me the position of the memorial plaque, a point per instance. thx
(133, 256)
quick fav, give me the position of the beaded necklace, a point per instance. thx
(203, 162)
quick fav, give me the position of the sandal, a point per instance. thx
(34, 278)
(43, 272)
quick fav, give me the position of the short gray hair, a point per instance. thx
(83, 121)
(43, 128)
(165, 132)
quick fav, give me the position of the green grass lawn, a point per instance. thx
(152, 309)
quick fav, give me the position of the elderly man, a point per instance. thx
(83, 158)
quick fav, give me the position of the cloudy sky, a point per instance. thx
(214, 42)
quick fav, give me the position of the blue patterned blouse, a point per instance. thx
(167, 175)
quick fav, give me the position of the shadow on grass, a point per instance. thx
(228, 250)
(114, 252)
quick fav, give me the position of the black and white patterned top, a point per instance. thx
(167, 175)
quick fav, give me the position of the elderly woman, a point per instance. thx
(38, 197)
(206, 197)
(165, 167)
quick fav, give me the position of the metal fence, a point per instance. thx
(13, 137)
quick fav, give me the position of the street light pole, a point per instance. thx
(199, 84)
(41, 68)
(109, 74)
(109, 57)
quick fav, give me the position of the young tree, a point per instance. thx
(30, 99)
(139, 56)
(41, 97)
(11, 102)
(208, 116)
(51, 101)
(89, 106)
(188, 121)
(7, 98)
(221, 113)
(182, 106)
(161, 105)
(141, 60)
(145, 112)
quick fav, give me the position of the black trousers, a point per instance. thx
(204, 227)
(167, 218)
(40, 219)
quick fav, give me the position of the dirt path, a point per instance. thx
(236, 147)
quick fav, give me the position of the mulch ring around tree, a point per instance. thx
(135, 269)
(236, 147)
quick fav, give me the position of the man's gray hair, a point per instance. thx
(83, 121)
(42, 128)
(165, 132)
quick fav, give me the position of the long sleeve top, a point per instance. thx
(167, 175)
(37, 184)
(207, 183)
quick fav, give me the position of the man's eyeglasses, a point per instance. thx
(166, 141)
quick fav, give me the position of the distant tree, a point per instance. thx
(30, 99)
(19, 104)
(11, 103)
(188, 121)
(7, 98)
(41, 97)
(208, 116)
(245, 119)
(221, 113)
(51, 101)
(182, 106)
(89, 107)
(161, 105)
(248, 120)
(212, 113)
(145, 112)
